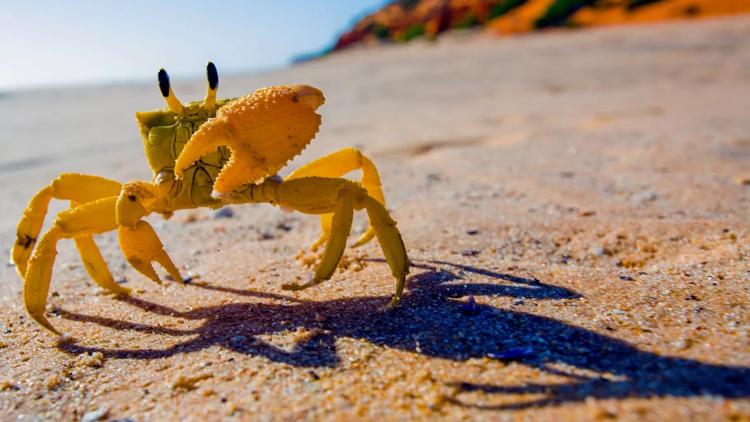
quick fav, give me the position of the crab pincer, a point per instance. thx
(263, 131)
(141, 247)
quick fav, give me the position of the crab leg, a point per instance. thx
(338, 164)
(390, 242)
(96, 267)
(80, 188)
(340, 228)
(94, 263)
(319, 195)
(326, 223)
(90, 218)
(28, 229)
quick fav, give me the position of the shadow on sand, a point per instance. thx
(432, 323)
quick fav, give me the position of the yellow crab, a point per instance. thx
(209, 153)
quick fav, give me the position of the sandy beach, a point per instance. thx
(575, 204)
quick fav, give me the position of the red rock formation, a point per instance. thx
(404, 20)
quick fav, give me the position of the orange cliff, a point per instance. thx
(612, 12)
(404, 20)
(661, 11)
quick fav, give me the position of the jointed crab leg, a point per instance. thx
(80, 188)
(95, 265)
(29, 227)
(318, 195)
(97, 205)
(390, 242)
(341, 225)
(341, 162)
(338, 164)
(90, 218)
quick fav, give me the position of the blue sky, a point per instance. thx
(52, 43)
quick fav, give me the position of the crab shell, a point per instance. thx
(165, 134)
(240, 141)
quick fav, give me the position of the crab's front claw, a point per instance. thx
(141, 247)
(263, 130)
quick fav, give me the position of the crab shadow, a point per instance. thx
(432, 322)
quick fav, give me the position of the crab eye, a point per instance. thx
(213, 84)
(131, 197)
(212, 75)
(164, 84)
(166, 91)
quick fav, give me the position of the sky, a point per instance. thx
(57, 43)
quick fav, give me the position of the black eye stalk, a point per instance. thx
(209, 103)
(164, 83)
(213, 76)
(166, 91)
(175, 105)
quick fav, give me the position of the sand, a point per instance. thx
(575, 204)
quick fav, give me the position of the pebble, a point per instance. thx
(7, 386)
(284, 227)
(93, 360)
(188, 384)
(470, 252)
(682, 344)
(95, 415)
(644, 197)
(598, 250)
(265, 236)
(224, 212)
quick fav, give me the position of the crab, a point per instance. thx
(209, 153)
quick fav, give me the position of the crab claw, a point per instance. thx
(141, 246)
(263, 130)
